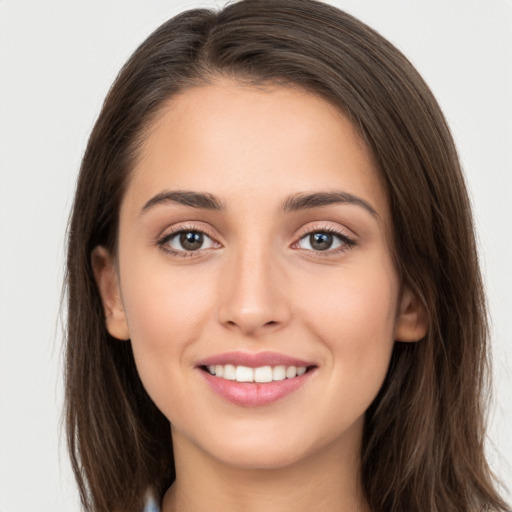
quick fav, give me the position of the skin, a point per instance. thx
(258, 285)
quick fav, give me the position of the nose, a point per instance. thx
(252, 293)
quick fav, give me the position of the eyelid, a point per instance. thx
(168, 234)
(348, 239)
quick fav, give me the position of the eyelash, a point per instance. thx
(188, 228)
(346, 241)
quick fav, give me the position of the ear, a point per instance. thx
(105, 273)
(411, 322)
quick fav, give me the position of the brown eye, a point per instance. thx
(320, 241)
(188, 241)
(327, 240)
(191, 240)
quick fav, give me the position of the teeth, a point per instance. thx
(229, 372)
(279, 373)
(291, 372)
(244, 374)
(301, 370)
(263, 374)
(260, 374)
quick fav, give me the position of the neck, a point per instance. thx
(328, 480)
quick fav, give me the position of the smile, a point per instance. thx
(255, 380)
(260, 374)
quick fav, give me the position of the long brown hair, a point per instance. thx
(423, 442)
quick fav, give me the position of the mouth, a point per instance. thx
(254, 380)
(260, 374)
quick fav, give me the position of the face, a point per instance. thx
(254, 275)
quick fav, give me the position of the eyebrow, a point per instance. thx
(198, 200)
(293, 203)
(302, 201)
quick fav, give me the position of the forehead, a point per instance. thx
(229, 139)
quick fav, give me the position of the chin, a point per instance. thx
(275, 447)
(259, 457)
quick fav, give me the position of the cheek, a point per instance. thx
(354, 316)
(357, 303)
(164, 305)
(166, 313)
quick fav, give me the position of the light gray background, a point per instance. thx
(57, 61)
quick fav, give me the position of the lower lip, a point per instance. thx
(254, 394)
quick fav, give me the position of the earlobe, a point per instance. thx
(412, 321)
(105, 273)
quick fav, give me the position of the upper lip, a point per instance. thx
(253, 360)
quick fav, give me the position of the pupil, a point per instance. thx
(320, 241)
(191, 240)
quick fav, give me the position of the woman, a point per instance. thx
(274, 293)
